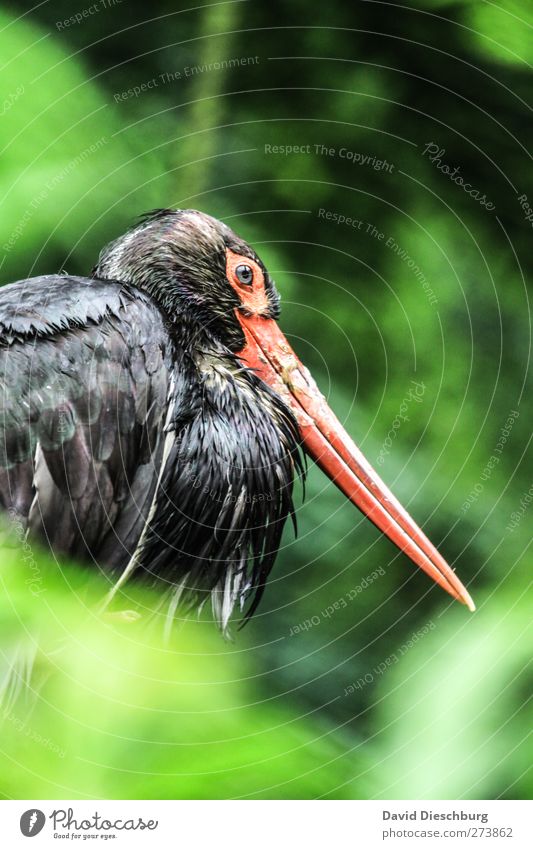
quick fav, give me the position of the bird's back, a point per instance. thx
(83, 393)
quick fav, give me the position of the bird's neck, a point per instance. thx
(226, 490)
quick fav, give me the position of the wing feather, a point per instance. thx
(84, 370)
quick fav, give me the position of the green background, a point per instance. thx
(112, 710)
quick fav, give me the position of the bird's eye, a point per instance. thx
(244, 274)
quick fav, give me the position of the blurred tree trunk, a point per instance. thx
(207, 108)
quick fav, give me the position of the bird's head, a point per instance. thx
(202, 274)
(197, 269)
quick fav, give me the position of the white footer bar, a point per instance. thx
(268, 824)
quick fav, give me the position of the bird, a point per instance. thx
(154, 419)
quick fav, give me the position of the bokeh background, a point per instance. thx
(357, 678)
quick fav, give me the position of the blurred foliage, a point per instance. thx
(166, 720)
(503, 32)
(267, 716)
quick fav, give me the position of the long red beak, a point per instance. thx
(325, 440)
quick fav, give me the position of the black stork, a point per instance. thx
(153, 418)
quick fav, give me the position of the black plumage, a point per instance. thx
(131, 435)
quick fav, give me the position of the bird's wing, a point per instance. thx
(83, 393)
